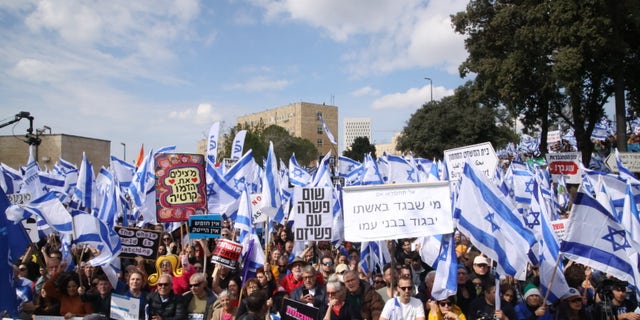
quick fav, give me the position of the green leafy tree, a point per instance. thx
(359, 148)
(552, 61)
(258, 137)
(452, 122)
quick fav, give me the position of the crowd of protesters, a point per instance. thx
(183, 283)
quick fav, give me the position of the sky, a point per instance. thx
(162, 72)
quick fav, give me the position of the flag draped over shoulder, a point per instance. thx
(596, 239)
(491, 222)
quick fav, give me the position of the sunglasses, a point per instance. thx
(165, 239)
(195, 284)
(575, 300)
(328, 263)
(331, 292)
(405, 288)
(445, 303)
(164, 284)
(379, 282)
(22, 269)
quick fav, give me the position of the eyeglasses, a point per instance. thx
(164, 284)
(329, 293)
(445, 303)
(22, 269)
(165, 239)
(575, 300)
(308, 277)
(482, 265)
(379, 282)
(405, 288)
(328, 264)
(195, 284)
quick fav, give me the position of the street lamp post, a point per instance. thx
(431, 87)
(124, 151)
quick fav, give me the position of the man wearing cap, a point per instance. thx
(532, 307)
(482, 269)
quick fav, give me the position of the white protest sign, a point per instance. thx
(567, 164)
(393, 211)
(312, 218)
(630, 160)
(481, 155)
(256, 205)
(124, 308)
(560, 228)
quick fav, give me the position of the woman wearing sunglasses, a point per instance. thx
(445, 310)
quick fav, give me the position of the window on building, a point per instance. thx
(320, 130)
(319, 143)
(319, 115)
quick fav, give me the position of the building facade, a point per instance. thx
(353, 128)
(15, 152)
(301, 119)
(389, 148)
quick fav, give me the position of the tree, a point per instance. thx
(550, 61)
(452, 122)
(284, 144)
(359, 148)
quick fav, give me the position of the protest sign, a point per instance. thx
(124, 308)
(205, 226)
(294, 310)
(227, 253)
(312, 214)
(395, 211)
(481, 155)
(180, 186)
(138, 242)
(567, 164)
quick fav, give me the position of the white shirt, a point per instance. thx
(394, 309)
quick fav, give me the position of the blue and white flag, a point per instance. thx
(85, 194)
(625, 173)
(630, 218)
(373, 254)
(298, 176)
(31, 180)
(401, 171)
(445, 283)
(370, 175)
(493, 224)
(108, 199)
(142, 191)
(551, 273)
(326, 130)
(7, 286)
(10, 180)
(523, 180)
(596, 239)
(322, 176)
(427, 252)
(271, 197)
(49, 208)
(228, 188)
(52, 182)
(349, 169)
(212, 145)
(238, 145)
(90, 230)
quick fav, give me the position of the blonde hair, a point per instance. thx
(175, 270)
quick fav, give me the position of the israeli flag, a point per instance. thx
(445, 283)
(595, 238)
(492, 223)
(10, 180)
(401, 171)
(326, 130)
(298, 176)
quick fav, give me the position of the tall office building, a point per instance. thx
(301, 119)
(353, 128)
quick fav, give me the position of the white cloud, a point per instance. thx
(259, 83)
(365, 91)
(410, 98)
(202, 114)
(394, 35)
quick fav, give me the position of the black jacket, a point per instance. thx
(173, 309)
